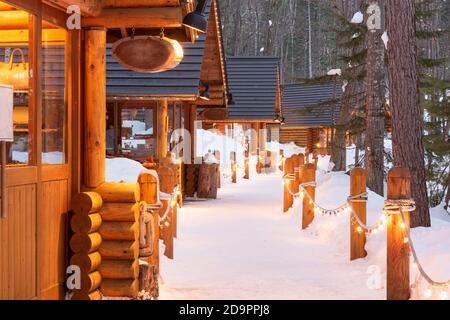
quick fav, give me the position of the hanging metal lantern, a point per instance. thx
(148, 54)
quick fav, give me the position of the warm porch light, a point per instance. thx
(196, 20)
(230, 99)
(205, 94)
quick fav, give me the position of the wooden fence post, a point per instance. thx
(398, 249)
(148, 273)
(247, 166)
(217, 155)
(299, 161)
(283, 159)
(308, 174)
(167, 229)
(296, 165)
(288, 184)
(233, 167)
(357, 234)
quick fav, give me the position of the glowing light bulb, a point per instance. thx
(443, 295)
(416, 266)
(403, 225)
(381, 228)
(384, 219)
(166, 223)
(428, 293)
(283, 183)
(359, 229)
(310, 202)
(405, 240)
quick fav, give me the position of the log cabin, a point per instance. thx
(254, 85)
(308, 123)
(59, 115)
(140, 104)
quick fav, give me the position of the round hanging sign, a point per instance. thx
(149, 54)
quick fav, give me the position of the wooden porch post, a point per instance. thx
(192, 131)
(95, 108)
(162, 126)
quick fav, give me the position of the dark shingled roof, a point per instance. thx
(253, 84)
(182, 81)
(304, 98)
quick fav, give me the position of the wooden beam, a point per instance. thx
(21, 36)
(140, 3)
(212, 102)
(10, 20)
(95, 108)
(6, 7)
(136, 18)
(87, 7)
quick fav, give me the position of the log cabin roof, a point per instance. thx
(203, 62)
(305, 99)
(254, 84)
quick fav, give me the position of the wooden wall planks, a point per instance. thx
(18, 245)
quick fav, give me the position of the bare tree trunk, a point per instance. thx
(310, 40)
(338, 141)
(447, 198)
(237, 28)
(404, 96)
(374, 141)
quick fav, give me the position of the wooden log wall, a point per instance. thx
(85, 244)
(120, 233)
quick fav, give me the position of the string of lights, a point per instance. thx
(401, 207)
(391, 207)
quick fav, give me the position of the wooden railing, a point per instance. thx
(395, 219)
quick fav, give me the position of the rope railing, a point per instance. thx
(172, 203)
(391, 207)
(400, 207)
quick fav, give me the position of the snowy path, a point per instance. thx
(242, 247)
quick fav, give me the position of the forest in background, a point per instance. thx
(311, 37)
(281, 28)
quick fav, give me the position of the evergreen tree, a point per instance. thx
(352, 55)
(435, 98)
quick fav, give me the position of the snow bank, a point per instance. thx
(289, 148)
(208, 141)
(123, 170)
(432, 244)
(241, 246)
(335, 72)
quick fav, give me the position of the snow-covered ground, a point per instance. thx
(241, 246)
